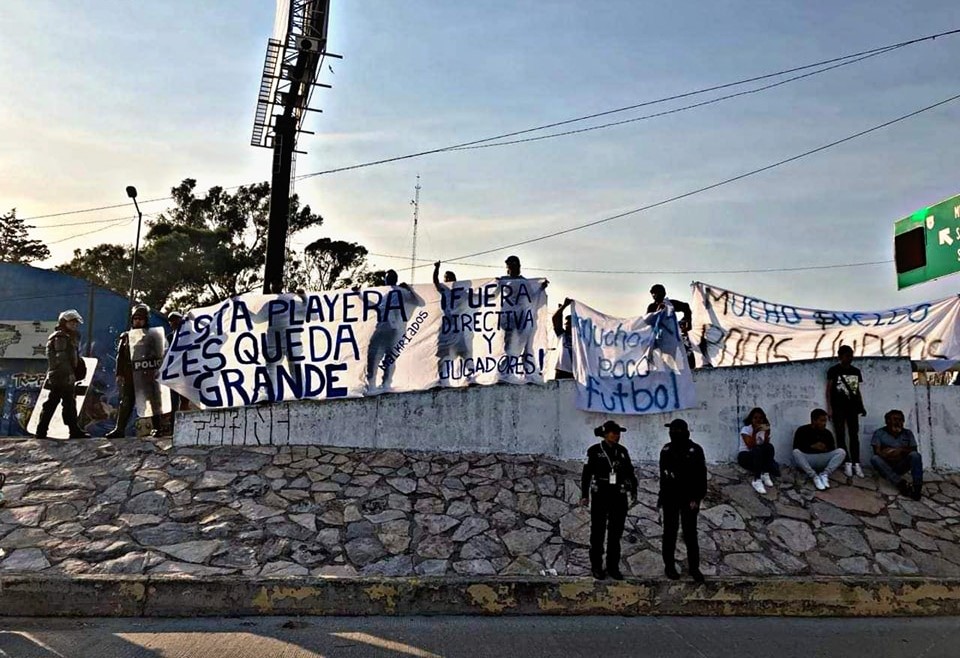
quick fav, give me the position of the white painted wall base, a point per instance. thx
(542, 419)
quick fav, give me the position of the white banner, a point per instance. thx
(352, 343)
(630, 365)
(731, 329)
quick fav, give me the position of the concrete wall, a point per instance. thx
(542, 419)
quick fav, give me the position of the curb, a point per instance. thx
(153, 596)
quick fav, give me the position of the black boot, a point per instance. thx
(599, 573)
(671, 572)
(915, 492)
(696, 574)
(614, 573)
(116, 433)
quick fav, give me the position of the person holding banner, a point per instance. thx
(683, 486)
(608, 477)
(660, 300)
(65, 368)
(845, 406)
(391, 324)
(756, 450)
(564, 331)
(454, 341)
(517, 337)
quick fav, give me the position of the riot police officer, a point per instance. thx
(683, 485)
(608, 477)
(65, 368)
(128, 397)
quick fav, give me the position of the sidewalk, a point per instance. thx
(142, 508)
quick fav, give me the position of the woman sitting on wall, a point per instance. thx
(756, 450)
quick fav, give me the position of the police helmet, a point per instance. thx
(70, 314)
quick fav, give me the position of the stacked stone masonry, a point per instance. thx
(145, 507)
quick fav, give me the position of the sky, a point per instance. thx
(101, 94)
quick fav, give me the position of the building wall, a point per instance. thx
(542, 419)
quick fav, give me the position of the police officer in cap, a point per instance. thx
(65, 368)
(609, 477)
(683, 485)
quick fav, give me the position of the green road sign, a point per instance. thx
(926, 244)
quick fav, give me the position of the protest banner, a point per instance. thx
(353, 343)
(630, 365)
(57, 429)
(147, 347)
(732, 329)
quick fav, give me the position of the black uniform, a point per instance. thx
(608, 510)
(683, 479)
(64, 369)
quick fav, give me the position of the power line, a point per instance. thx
(588, 271)
(464, 145)
(96, 230)
(91, 221)
(705, 188)
(677, 110)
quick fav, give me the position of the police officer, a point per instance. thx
(683, 485)
(139, 319)
(64, 369)
(609, 476)
(175, 318)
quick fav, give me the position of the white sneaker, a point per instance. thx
(857, 470)
(826, 480)
(758, 487)
(818, 482)
(848, 469)
(765, 477)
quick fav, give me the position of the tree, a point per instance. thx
(208, 248)
(15, 245)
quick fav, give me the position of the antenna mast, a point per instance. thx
(416, 219)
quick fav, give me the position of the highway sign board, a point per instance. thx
(926, 244)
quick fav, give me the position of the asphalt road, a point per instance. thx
(529, 637)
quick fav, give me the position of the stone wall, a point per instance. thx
(141, 507)
(542, 419)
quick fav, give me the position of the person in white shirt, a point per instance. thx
(756, 450)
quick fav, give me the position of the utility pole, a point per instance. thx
(285, 139)
(416, 219)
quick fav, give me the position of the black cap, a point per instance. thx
(611, 426)
(678, 423)
(512, 259)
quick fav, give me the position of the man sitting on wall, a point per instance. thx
(814, 449)
(895, 453)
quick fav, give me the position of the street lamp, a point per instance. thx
(132, 193)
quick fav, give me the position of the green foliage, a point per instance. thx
(15, 243)
(210, 247)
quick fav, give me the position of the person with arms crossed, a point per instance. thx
(608, 477)
(895, 453)
(814, 449)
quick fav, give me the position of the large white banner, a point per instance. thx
(352, 343)
(732, 329)
(630, 365)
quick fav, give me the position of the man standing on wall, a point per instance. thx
(845, 406)
(65, 368)
(659, 294)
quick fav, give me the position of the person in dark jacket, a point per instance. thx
(64, 369)
(128, 396)
(683, 485)
(609, 477)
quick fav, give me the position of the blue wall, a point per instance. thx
(30, 294)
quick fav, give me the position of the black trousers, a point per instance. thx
(608, 513)
(846, 424)
(66, 396)
(675, 515)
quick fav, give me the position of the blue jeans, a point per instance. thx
(893, 470)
